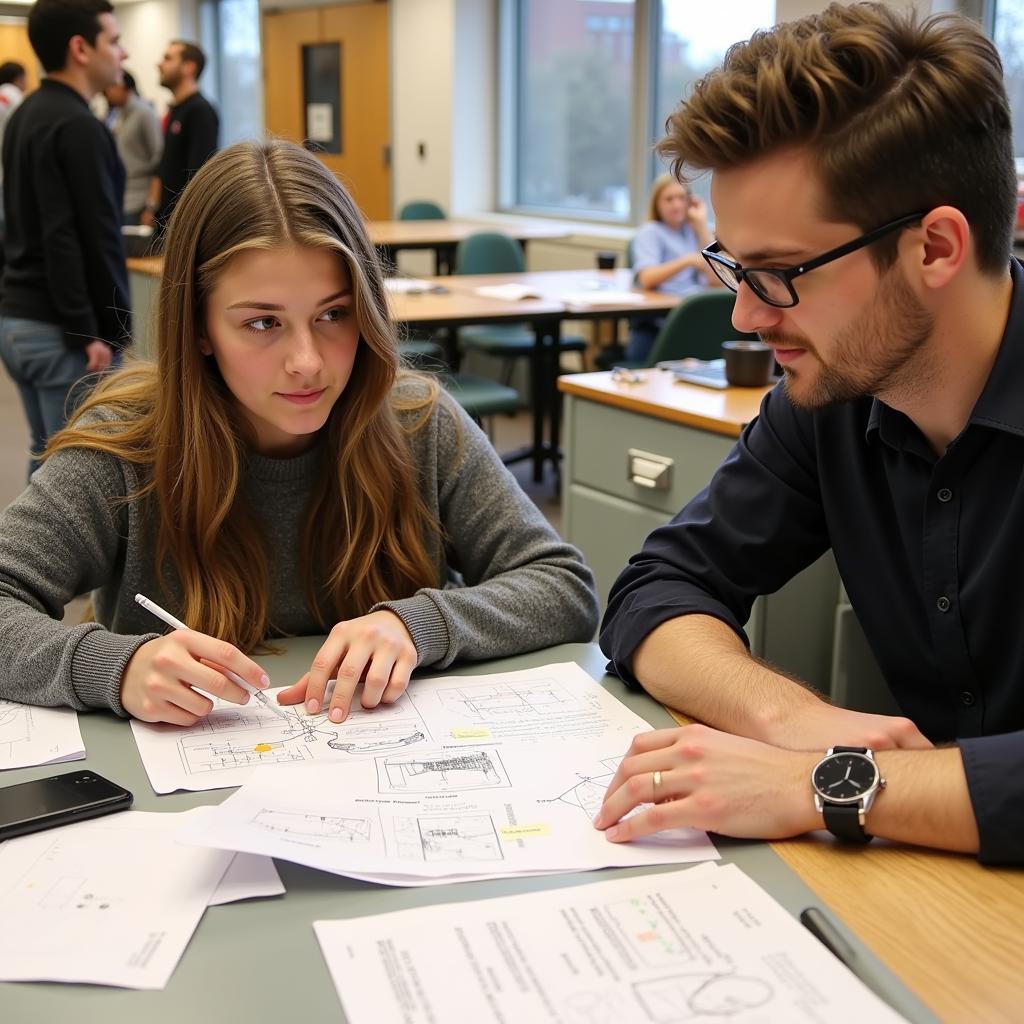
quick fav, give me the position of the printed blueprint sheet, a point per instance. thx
(454, 812)
(533, 706)
(31, 735)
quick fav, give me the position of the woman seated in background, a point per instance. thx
(274, 473)
(666, 254)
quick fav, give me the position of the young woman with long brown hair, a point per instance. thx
(275, 472)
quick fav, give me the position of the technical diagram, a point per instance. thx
(455, 837)
(314, 826)
(439, 771)
(587, 792)
(15, 725)
(497, 702)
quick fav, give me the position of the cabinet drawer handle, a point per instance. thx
(644, 469)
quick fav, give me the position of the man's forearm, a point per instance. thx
(925, 801)
(697, 664)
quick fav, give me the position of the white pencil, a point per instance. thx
(165, 616)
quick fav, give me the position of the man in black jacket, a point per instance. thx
(190, 133)
(64, 310)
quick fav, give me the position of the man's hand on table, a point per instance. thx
(713, 781)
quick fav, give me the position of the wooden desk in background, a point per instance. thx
(443, 236)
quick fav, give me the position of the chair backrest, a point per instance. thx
(421, 209)
(697, 327)
(489, 252)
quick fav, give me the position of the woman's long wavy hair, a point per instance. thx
(368, 534)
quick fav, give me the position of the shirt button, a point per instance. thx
(967, 699)
(942, 604)
(945, 494)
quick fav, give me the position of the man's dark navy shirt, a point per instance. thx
(189, 141)
(931, 551)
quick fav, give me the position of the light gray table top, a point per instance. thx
(259, 960)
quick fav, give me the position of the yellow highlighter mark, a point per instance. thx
(524, 831)
(263, 748)
(471, 734)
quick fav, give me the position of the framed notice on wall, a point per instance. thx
(321, 94)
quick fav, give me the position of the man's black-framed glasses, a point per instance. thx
(774, 285)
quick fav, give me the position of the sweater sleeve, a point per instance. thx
(523, 587)
(64, 536)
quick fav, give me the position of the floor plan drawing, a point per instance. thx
(315, 826)
(440, 771)
(456, 837)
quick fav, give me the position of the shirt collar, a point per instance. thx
(999, 405)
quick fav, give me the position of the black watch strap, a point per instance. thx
(843, 821)
(849, 750)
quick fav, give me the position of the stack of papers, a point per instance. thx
(31, 735)
(441, 815)
(112, 901)
(700, 945)
(558, 701)
(509, 292)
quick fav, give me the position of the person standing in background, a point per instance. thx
(12, 91)
(64, 310)
(190, 131)
(136, 130)
(13, 82)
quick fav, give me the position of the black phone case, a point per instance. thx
(66, 816)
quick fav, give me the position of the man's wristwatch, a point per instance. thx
(845, 783)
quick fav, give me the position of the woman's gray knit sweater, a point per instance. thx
(505, 582)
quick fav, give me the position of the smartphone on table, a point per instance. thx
(58, 800)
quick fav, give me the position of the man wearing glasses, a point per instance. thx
(865, 194)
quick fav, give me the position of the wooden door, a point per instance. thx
(356, 37)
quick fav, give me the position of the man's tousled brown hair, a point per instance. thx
(899, 113)
(367, 534)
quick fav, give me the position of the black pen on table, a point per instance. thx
(815, 921)
(165, 616)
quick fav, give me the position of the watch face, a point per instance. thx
(844, 778)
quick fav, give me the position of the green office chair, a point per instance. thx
(481, 398)
(695, 328)
(490, 252)
(421, 209)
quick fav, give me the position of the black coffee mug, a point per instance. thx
(607, 260)
(748, 364)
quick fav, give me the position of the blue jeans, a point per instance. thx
(46, 372)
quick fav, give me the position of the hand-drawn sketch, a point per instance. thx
(315, 826)
(587, 792)
(596, 1008)
(455, 837)
(439, 771)
(497, 702)
(289, 742)
(703, 996)
(31, 735)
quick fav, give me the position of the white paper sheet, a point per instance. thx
(31, 735)
(700, 945)
(406, 285)
(112, 901)
(248, 877)
(453, 813)
(603, 297)
(559, 701)
(511, 292)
